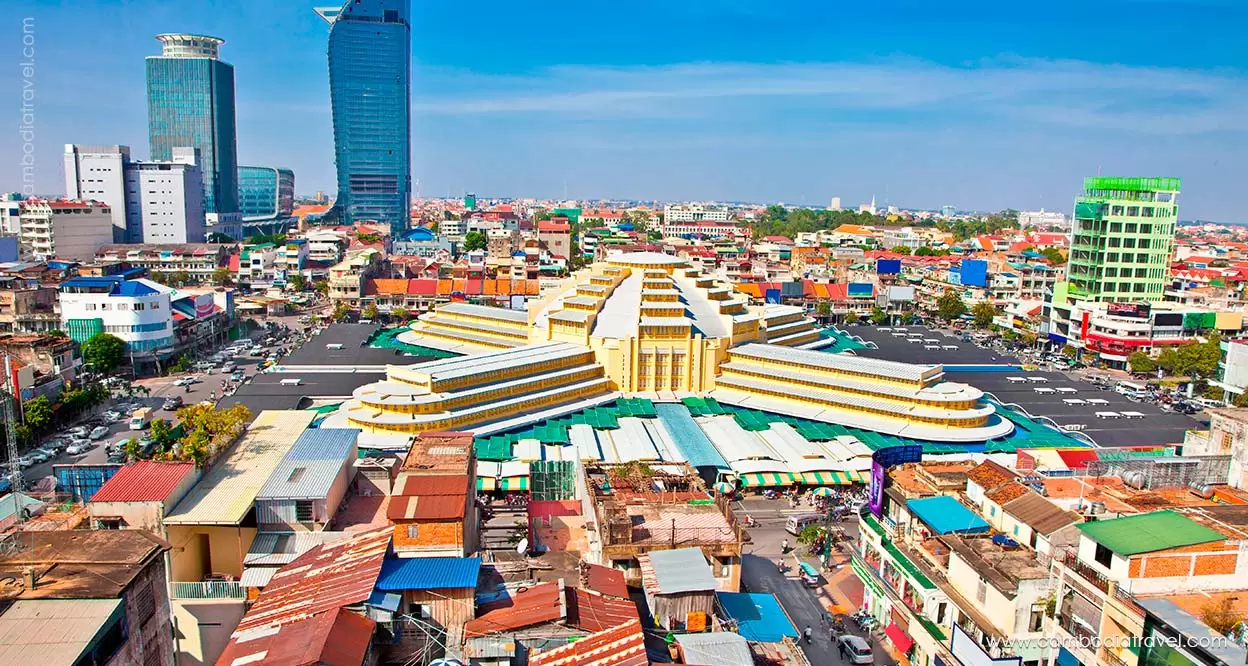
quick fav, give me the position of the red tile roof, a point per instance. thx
(325, 578)
(332, 637)
(624, 645)
(553, 227)
(143, 481)
(990, 475)
(529, 606)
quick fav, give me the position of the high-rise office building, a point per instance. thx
(190, 102)
(1122, 238)
(150, 202)
(370, 72)
(265, 193)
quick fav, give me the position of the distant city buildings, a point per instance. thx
(694, 213)
(1041, 218)
(948, 211)
(151, 202)
(190, 102)
(370, 60)
(835, 204)
(265, 193)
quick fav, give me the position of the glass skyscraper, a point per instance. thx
(190, 102)
(370, 74)
(265, 193)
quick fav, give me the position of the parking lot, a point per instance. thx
(920, 344)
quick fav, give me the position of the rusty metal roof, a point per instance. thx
(595, 612)
(325, 578)
(624, 645)
(439, 453)
(434, 484)
(331, 637)
(603, 580)
(541, 603)
(430, 507)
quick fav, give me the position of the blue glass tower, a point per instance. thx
(265, 193)
(370, 90)
(190, 102)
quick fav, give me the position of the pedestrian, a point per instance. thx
(806, 634)
(784, 546)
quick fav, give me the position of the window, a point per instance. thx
(1132, 227)
(1115, 227)
(1115, 242)
(123, 306)
(303, 511)
(1113, 256)
(1115, 210)
(1036, 622)
(1016, 530)
(981, 591)
(1133, 211)
(1103, 556)
(139, 307)
(413, 531)
(941, 609)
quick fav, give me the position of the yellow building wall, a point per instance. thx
(227, 547)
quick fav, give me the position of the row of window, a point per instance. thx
(138, 307)
(137, 328)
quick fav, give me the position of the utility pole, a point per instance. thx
(10, 431)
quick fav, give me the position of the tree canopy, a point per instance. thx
(1054, 256)
(105, 352)
(1142, 363)
(983, 313)
(1198, 360)
(780, 221)
(474, 240)
(950, 305)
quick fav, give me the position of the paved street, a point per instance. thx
(803, 605)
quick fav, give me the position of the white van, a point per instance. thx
(795, 524)
(1130, 389)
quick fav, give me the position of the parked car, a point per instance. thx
(99, 433)
(49, 452)
(77, 431)
(38, 456)
(54, 445)
(854, 649)
(25, 461)
(78, 448)
(117, 457)
(229, 367)
(171, 403)
(238, 375)
(113, 416)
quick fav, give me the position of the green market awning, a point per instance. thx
(765, 479)
(514, 484)
(827, 478)
(486, 483)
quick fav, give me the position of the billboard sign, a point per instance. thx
(772, 296)
(203, 305)
(860, 289)
(887, 266)
(881, 460)
(968, 652)
(1132, 310)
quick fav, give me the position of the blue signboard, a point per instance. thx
(881, 460)
(83, 480)
(860, 289)
(888, 266)
(773, 296)
(974, 273)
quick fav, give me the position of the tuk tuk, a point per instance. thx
(809, 575)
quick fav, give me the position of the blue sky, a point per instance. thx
(975, 104)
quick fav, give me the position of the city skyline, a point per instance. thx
(935, 108)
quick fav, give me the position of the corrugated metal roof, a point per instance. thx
(624, 645)
(325, 578)
(331, 637)
(227, 492)
(540, 603)
(51, 632)
(308, 470)
(1149, 532)
(430, 507)
(257, 576)
(434, 484)
(594, 612)
(143, 481)
(277, 548)
(603, 580)
(428, 573)
(721, 648)
(681, 570)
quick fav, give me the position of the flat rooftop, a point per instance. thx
(694, 524)
(1155, 428)
(354, 351)
(1003, 567)
(841, 362)
(265, 391)
(895, 348)
(77, 564)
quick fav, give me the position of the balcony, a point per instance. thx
(1086, 572)
(209, 589)
(1077, 628)
(1112, 658)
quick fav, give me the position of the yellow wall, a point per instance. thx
(228, 545)
(202, 628)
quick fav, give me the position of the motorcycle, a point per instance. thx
(749, 521)
(771, 494)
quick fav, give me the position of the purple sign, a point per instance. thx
(875, 492)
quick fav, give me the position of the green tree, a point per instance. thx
(1054, 256)
(851, 317)
(104, 352)
(823, 309)
(218, 237)
(474, 240)
(275, 239)
(57, 333)
(38, 412)
(321, 287)
(1142, 363)
(901, 249)
(297, 282)
(984, 312)
(878, 315)
(179, 278)
(133, 449)
(183, 364)
(950, 305)
(209, 430)
(1168, 360)
(809, 535)
(400, 314)
(161, 432)
(369, 311)
(340, 311)
(222, 276)
(158, 276)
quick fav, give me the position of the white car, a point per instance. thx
(186, 381)
(854, 649)
(25, 461)
(113, 416)
(78, 448)
(37, 456)
(77, 431)
(229, 367)
(99, 433)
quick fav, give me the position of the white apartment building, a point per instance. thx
(151, 202)
(10, 214)
(64, 229)
(1042, 218)
(98, 173)
(452, 228)
(694, 213)
(255, 265)
(137, 311)
(325, 246)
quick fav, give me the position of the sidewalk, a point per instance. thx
(843, 593)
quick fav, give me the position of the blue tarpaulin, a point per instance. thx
(946, 515)
(758, 616)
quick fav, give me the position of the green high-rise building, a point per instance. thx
(1122, 236)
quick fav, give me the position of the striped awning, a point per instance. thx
(768, 479)
(860, 477)
(514, 483)
(828, 478)
(486, 483)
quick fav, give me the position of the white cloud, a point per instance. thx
(1071, 93)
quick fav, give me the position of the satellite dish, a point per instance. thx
(523, 546)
